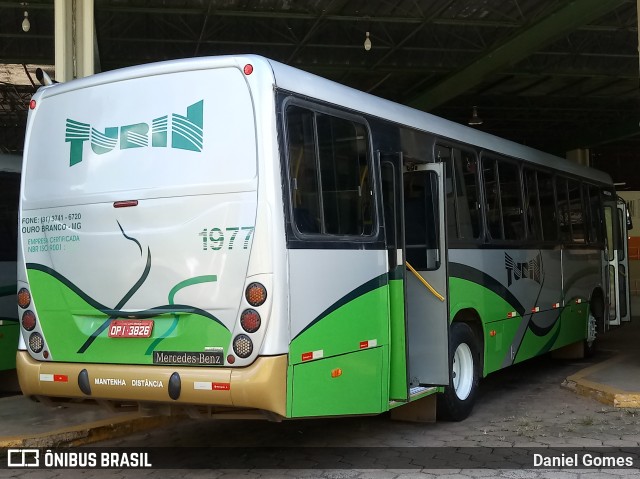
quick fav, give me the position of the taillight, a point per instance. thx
(256, 294)
(250, 320)
(24, 298)
(242, 346)
(36, 342)
(29, 320)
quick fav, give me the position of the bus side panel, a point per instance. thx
(398, 351)
(339, 310)
(346, 384)
(497, 331)
(518, 295)
(581, 270)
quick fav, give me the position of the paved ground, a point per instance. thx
(521, 408)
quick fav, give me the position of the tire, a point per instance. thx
(456, 402)
(595, 326)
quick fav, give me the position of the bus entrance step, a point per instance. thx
(419, 390)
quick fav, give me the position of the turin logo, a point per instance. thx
(531, 269)
(185, 132)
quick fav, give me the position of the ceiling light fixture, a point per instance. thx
(475, 119)
(26, 24)
(367, 42)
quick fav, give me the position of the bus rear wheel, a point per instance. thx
(456, 402)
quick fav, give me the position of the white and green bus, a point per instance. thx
(232, 235)
(9, 330)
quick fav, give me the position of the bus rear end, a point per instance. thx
(137, 273)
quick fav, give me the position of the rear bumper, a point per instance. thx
(259, 386)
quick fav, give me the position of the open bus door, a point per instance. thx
(413, 199)
(616, 260)
(427, 311)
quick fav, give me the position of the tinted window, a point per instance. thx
(503, 199)
(576, 212)
(532, 204)
(563, 209)
(547, 199)
(330, 178)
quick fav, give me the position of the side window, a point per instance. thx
(492, 197)
(303, 170)
(509, 176)
(547, 206)
(532, 204)
(503, 203)
(329, 173)
(563, 209)
(445, 155)
(422, 220)
(595, 215)
(576, 212)
(466, 172)
(461, 184)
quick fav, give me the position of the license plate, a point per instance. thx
(131, 328)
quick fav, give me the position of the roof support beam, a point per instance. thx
(615, 132)
(562, 21)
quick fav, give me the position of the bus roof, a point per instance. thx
(313, 86)
(292, 79)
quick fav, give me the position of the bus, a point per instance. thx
(233, 236)
(9, 331)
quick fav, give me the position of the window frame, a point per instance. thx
(468, 149)
(497, 159)
(345, 240)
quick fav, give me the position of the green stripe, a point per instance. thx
(211, 278)
(361, 290)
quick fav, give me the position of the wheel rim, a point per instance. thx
(591, 330)
(462, 371)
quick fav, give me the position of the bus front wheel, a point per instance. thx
(456, 402)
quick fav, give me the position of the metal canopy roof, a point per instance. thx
(555, 75)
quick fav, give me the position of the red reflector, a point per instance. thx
(307, 356)
(125, 204)
(250, 320)
(24, 298)
(60, 378)
(29, 320)
(32, 105)
(248, 69)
